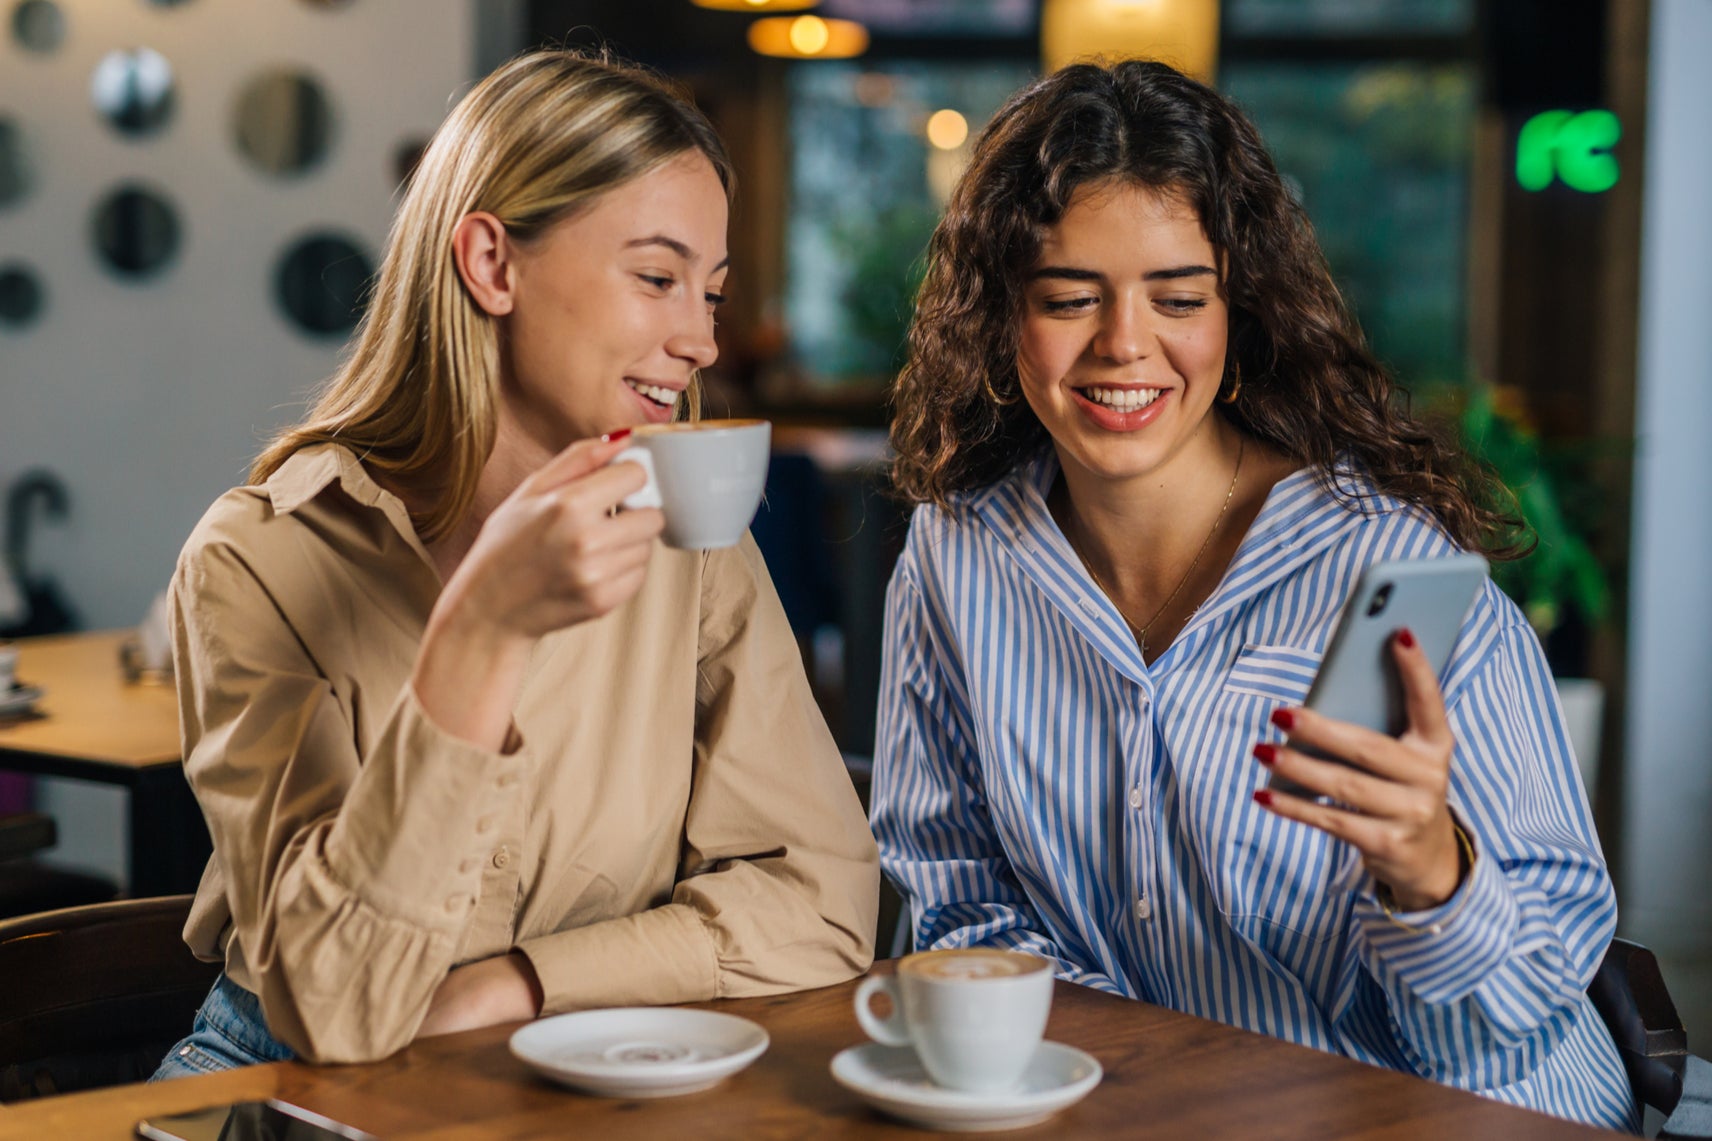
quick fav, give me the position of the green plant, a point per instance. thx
(1562, 572)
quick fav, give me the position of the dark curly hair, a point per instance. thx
(1311, 388)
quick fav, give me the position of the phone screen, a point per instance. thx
(249, 1121)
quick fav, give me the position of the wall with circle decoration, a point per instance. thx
(191, 193)
(192, 196)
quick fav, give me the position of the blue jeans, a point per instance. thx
(229, 1032)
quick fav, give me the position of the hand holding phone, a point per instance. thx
(1367, 759)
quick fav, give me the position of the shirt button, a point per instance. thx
(1143, 909)
(484, 825)
(506, 780)
(1089, 606)
(501, 858)
(1135, 798)
(454, 903)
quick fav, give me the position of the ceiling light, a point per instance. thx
(756, 5)
(808, 37)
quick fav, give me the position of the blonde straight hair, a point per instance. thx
(533, 143)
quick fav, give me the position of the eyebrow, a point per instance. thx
(1073, 273)
(674, 245)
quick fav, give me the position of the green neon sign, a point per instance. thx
(1574, 146)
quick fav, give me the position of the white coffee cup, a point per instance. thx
(975, 1016)
(707, 475)
(8, 665)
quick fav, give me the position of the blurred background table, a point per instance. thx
(91, 724)
(1167, 1075)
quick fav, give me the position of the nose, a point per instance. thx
(1125, 334)
(692, 340)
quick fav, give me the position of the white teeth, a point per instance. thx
(1122, 399)
(654, 392)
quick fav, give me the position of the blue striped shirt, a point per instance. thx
(1039, 786)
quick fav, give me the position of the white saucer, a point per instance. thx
(890, 1078)
(18, 699)
(643, 1051)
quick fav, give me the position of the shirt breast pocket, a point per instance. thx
(1282, 674)
(1273, 876)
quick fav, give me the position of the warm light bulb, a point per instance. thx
(809, 35)
(946, 129)
(756, 5)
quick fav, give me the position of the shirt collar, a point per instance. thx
(307, 473)
(1300, 518)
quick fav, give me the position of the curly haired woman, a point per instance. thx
(1152, 455)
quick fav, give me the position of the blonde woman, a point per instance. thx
(471, 744)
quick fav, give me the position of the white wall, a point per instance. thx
(149, 399)
(1666, 895)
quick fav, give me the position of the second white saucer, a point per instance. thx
(891, 1079)
(646, 1051)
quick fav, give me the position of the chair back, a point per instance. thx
(95, 995)
(1630, 995)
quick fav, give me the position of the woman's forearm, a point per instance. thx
(469, 674)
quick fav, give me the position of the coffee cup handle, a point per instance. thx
(649, 495)
(886, 1031)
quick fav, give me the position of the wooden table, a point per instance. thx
(1168, 1075)
(94, 725)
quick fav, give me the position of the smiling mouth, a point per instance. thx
(659, 394)
(1122, 399)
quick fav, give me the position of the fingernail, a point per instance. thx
(614, 437)
(1405, 638)
(1266, 754)
(1284, 719)
(1263, 797)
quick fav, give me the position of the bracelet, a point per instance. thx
(1383, 892)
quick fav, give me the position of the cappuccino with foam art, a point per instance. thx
(974, 1015)
(971, 963)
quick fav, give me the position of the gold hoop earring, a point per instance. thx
(993, 395)
(1236, 385)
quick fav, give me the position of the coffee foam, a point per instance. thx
(973, 963)
(691, 426)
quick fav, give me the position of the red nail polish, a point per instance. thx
(1405, 638)
(1266, 754)
(1263, 797)
(614, 437)
(1284, 719)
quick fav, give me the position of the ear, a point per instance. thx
(484, 255)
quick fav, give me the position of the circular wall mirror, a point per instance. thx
(14, 169)
(38, 25)
(20, 296)
(322, 283)
(133, 90)
(284, 122)
(136, 231)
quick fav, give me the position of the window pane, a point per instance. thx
(1378, 155)
(866, 192)
(1348, 17)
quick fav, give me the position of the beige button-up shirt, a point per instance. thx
(672, 821)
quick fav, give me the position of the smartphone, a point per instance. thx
(1358, 681)
(249, 1121)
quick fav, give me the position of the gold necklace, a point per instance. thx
(1140, 632)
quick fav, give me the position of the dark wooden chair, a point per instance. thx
(27, 885)
(1630, 995)
(95, 996)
